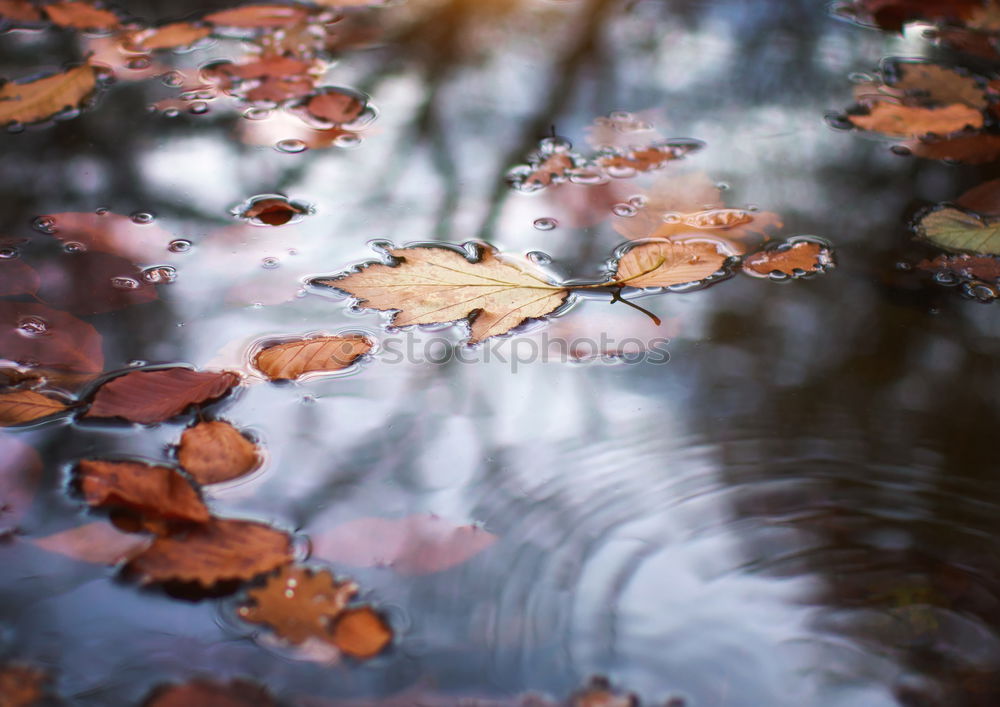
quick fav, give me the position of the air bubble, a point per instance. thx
(142, 62)
(45, 224)
(74, 247)
(625, 210)
(545, 224)
(125, 283)
(539, 258)
(859, 77)
(8, 252)
(291, 146)
(588, 178)
(671, 217)
(270, 263)
(638, 201)
(15, 127)
(172, 79)
(946, 278)
(621, 171)
(159, 274)
(347, 140)
(722, 186)
(179, 245)
(32, 326)
(136, 363)
(142, 217)
(901, 150)
(102, 211)
(838, 121)
(198, 108)
(257, 113)
(982, 291)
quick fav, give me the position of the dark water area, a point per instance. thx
(794, 503)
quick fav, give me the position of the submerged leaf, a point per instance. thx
(968, 148)
(19, 11)
(205, 693)
(215, 451)
(957, 230)
(17, 278)
(334, 107)
(156, 493)
(984, 199)
(433, 285)
(40, 99)
(20, 406)
(81, 15)
(666, 263)
(977, 267)
(98, 543)
(44, 338)
(292, 359)
(153, 396)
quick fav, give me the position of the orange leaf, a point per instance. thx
(148, 397)
(644, 159)
(20, 406)
(19, 11)
(81, 15)
(361, 633)
(176, 34)
(204, 693)
(98, 543)
(22, 685)
(968, 148)
(38, 336)
(267, 66)
(20, 472)
(275, 211)
(293, 359)
(334, 107)
(790, 259)
(259, 16)
(415, 545)
(32, 101)
(913, 121)
(298, 604)
(212, 452)
(222, 550)
(277, 89)
(663, 263)
(155, 493)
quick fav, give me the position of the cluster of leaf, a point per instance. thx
(287, 53)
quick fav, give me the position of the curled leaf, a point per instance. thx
(215, 451)
(293, 359)
(20, 406)
(97, 543)
(148, 397)
(33, 101)
(790, 260)
(274, 211)
(155, 493)
(665, 263)
(361, 633)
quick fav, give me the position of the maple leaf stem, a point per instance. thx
(616, 296)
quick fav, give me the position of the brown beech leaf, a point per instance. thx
(414, 545)
(893, 14)
(215, 451)
(156, 493)
(221, 550)
(434, 285)
(22, 685)
(292, 359)
(19, 11)
(97, 543)
(551, 170)
(93, 283)
(643, 159)
(81, 15)
(361, 633)
(298, 603)
(169, 36)
(273, 212)
(968, 148)
(265, 67)
(20, 472)
(32, 101)
(153, 396)
(939, 84)
(666, 263)
(110, 233)
(205, 693)
(790, 259)
(17, 278)
(20, 406)
(913, 121)
(277, 89)
(984, 199)
(334, 107)
(44, 338)
(251, 16)
(967, 267)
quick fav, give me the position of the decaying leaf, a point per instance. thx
(913, 121)
(666, 263)
(43, 338)
(361, 633)
(414, 545)
(434, 285)
(789, 260)
(219, 551)
(22, 685)
(20, 472)
(81, 15)
(254, 16)
(97, 543)
(967, 267)
(17, 278)
(298, 603)
(215, 451)
(32, 101)
(960, 231)
(293, 359)
(206, 693)
(148, 397)
(155, 493)
(169, 36)
(20, 406)
(19, 11)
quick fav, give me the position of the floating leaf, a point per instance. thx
(278, 89)
(600, 693)
(968, 148)
(893, 14)
(644, 159)
(913, 121)
(292, 359)
(415, 545)
(273, 211)
(22, 685)
(939, 84)
(436, 285)
(265, 67)
(966, 267)
(957, 230)
(97, 543)
(153, 396)
(20, 472)
(81, 15)
(19, 11)
(215, 451)
(169, 36)
(157, 494)
(20, 406)
(664, 263)
(205, 693)
(334, 107)
(252, 16)
(790, 259)
(361, 633)
(298, 603)
(553, 169)
(17, 278)
(44, 338)
(983, 199)
(32, 101)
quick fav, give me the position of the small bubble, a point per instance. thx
(74, 247)
(179, 245)
(256, 305)
(172, 79)
(904, 266)
(142, 217)
(125, 283)
(32, 326)
(102, 211)
(901, 150)
(8, 252)
(626, 210)
(946, 277)
(198, 108)
(859, 77)
(981, 291)
(621, 171)
(671, 217)
(270, 263)
(257, 113)
(159, 274)
(839, 121)
(638, 201)
(545, 224)
(171, 112)
(291, 146)
(15, 127)
(289, 593)
(307, 400)
(752, 208)
(140, 62)
(45, 224)
(722, 186)
(348, 140)
(292, 251)
(588, 178)
(136, 363)
(620, 115)
(539, 258)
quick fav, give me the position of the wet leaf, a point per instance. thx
(599, 693)
(552, 170)
(17, 278)
(141, 243)
(361, 633)
(334, 107)
(273, 212)
(251, 16)
(664, 263)
(81, 15)
(643, 159)
(893, 14)
(957, 230)
(222, 550)
(153, 396)
(155, 493)
(968, 148)
(215, 451)
(298, 603)
(941, 85)
(93, 283)
(414, 545)
(266, 67)
(205, 693)
(793, 260)
(19, 11)
(913, 121)
(22, 685)
(44, 338)
(983, 199)
(97, 543)
(32, 101)
(276, 90)
(292, 359)
(977, 267)
(437, 285)
(169, 36)
(20, 472)
(20, 406)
